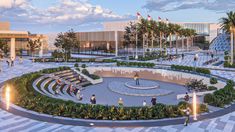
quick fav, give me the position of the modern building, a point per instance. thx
(18, 40)
(113, 35)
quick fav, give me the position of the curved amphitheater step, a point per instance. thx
(47, 85)
(44, 85)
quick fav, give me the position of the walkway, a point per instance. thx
(13, 123)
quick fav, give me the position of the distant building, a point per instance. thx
(18, 40)
(113, 35)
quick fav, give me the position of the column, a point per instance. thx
(108, 46)
(116, 43)
(13, 48)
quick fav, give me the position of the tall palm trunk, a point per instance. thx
(176, 44)
(152, 40)
(143, 46)
(170, 42)
(182, 42)
(187, 44)
(161, 41)
(232, 46)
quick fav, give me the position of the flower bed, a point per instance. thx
(74, 60)
(210, 61)
(30, 99)
(221, 97)
(137, 64)
(189, 68)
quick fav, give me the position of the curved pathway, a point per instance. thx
(10, 122)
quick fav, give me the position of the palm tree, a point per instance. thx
(171, 30)
(143, 29)
(177, 33)
(162, 30)
(3, 46)
(228, 24)
(192, 33)
(153, 26)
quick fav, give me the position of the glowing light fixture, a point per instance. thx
(7, 97)
(194, 106)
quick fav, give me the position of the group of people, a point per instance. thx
(10, 62)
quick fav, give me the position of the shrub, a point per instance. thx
(230, 82)
(196, 85)
(138, 64)
(84, 66)
(212, 88)
(189, 68)
(221, 97)
(85, 72)
(213, 80)
(76, 65)
(30, 99)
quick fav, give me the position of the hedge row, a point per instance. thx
(189, 68)
(221, 97)
(28, 98)
(74, 60)
(137, 64)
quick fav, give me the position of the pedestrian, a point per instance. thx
(93, 99)
(56, 92)
(212, 55)
(186, 97)
(78, 94)
(12, 61)
(21, 60)
(144, 103)
(8, 62)
(154, 101)
(120, 102)
(182, 56)
(187, 114)
(80, 97)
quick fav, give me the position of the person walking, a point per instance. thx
(93, 99)
(187, 114)
(144, 103)
(154, 101)
(186, 97)
(120, 102)
(78, 94)
(12, 62)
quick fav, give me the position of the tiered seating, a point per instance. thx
(221, 43)
(48, 85)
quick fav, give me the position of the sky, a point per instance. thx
(53, 16)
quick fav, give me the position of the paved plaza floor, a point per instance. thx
(14, 123)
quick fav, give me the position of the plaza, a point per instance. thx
(106, 72)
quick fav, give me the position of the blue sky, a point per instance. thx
(51, 16)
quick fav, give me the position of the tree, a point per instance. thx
(130, 35)
(171, 31)
(66, 42)
(3, 46)
(34, 45)
(177, 34)
(228, 24)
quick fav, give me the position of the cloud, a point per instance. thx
(66, 12)
(11, 3)
(174, 5)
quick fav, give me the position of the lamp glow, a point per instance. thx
(7, 96)
(194, 106)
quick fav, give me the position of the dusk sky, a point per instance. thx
(51, 16)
